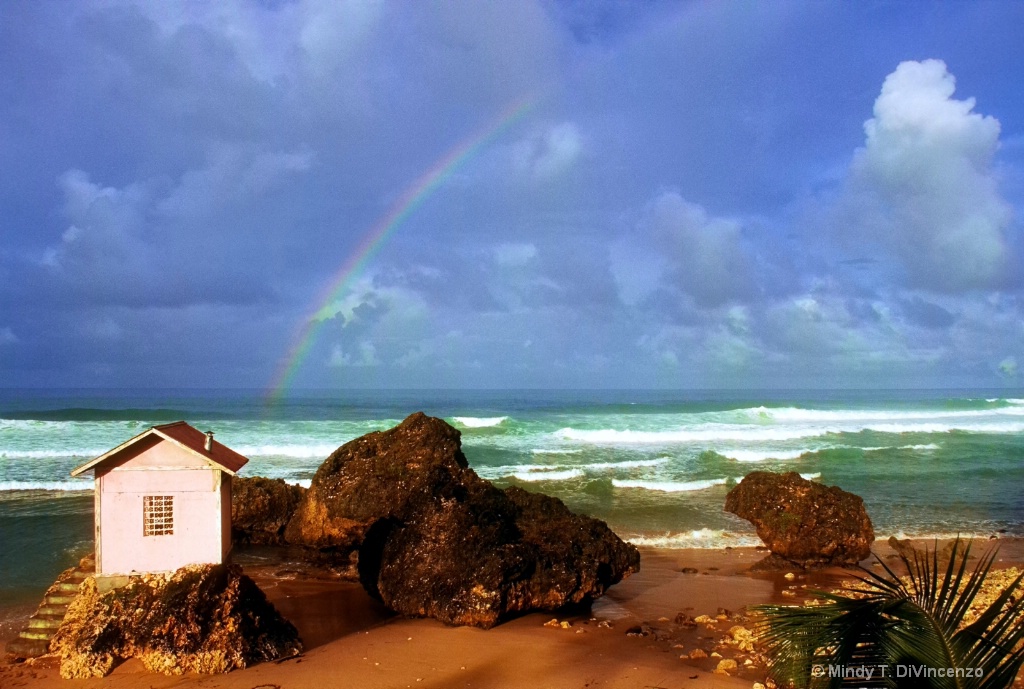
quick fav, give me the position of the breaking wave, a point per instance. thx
(480, 422)
(669, 486)
(46, 485)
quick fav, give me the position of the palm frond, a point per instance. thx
(918, 619)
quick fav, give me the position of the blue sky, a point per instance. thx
(702, 194)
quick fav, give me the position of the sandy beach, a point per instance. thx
(351, 640)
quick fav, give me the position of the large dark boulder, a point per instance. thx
(436, 540)
(261, 509)
(202, 618)
(803, 523)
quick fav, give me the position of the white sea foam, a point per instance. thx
(699, 538)
(548, 475)
(295, 451)
(708, 433)
(801, 415)
(927, 446)
(669, 486)
(763, 455)
(517, 469)
(794, 429)
(480, 422)
(627, 464)
(304, 482)
(542, 451)
(54, 453)
(46, 485)
(810, 477)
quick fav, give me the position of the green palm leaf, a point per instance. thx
(913, 626)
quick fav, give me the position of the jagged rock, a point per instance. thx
(201, 618)
(907, 549)
(803, 522)
(261, 509)
(438, 541)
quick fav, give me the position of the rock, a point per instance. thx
(725, 666)
(202, 618)
(640, 630)
(803, 522)
(906, 549)
(436, 540)
(689, 570)
(698, 653)
(742, 638)
(685, 620)
(261, 509)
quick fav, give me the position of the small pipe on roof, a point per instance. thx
(209, 441)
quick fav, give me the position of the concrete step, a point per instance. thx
(45, 635)
(55, 610)
(58, 599)
(28, 648)
(70, 586)
(44, 622)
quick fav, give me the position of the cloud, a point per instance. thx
(549, 152)
(511, 254)
(7, 336)
(1008, 367)
(366, 355)
(155, 242)
(679, 245)
(924, 187)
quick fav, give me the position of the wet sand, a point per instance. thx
(352, 641)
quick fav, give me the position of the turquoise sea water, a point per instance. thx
(655, 465)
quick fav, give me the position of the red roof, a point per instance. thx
(195, 440)
(219, 455)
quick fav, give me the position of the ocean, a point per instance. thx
(656, 465)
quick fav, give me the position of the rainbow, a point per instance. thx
(412, 197)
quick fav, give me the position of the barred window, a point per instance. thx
(157, 515)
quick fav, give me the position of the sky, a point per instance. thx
(280, 195)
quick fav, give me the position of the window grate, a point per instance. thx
(157, 515)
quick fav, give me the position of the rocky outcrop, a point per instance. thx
(261, 509)
(803, 523)
(202, 618)
(436, 540)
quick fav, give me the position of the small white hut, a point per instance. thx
(163, 501)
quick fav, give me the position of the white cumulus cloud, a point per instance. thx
(923, 187)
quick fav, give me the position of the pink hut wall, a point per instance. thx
(199, 515)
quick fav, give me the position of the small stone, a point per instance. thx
(716, 654)
(662, 619)
(689, 570)
(757, 685)
(639, 630)
(698, 653)
(565, 624)
(703, 619)
(551, 623)
(725, 665)
(790, 576)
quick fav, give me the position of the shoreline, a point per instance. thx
(351, 636)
